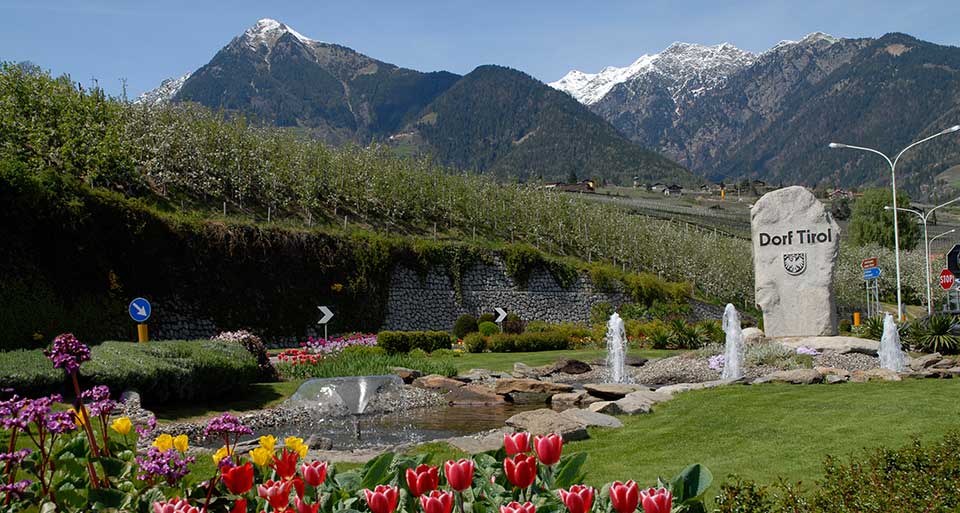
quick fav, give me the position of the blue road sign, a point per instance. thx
(139, 309)
(871, 273)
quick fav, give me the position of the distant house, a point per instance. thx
(583, 186)
(673, 190)
(836, 194)
(657, 187)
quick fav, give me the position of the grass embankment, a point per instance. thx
(504, 361)
(255, 396)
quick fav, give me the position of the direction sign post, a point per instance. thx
(871, 273)
(140, 310)
(501, 315)
(868, 263)
(327, 315)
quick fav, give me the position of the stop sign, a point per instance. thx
(946, 279)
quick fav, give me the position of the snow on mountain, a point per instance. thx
(164, 93)
(811, 38)
(707, 65)
(266, 32)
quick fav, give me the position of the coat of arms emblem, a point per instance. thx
(795, 263)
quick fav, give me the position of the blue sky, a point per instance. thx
(147, 42)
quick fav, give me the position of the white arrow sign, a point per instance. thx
(141, 311)
(501, 314)
(327, 315)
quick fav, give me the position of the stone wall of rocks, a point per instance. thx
(432, 303)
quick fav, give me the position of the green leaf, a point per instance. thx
(570, 470)
(348, 480)
(377, 470)
(109, 497)
(691, 483)
(114, 467)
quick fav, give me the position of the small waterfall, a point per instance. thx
(891, 354)
(733, 353)
(616, 349)
(346, 395)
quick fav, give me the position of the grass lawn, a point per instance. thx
(253, 397)
(768, 431)
(505, 361)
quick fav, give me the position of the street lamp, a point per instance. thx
(926, 243)
(893, 185)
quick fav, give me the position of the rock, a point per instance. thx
(833, 371)
(592, 419)
(508, 385)
(567, 399)
(130, 399)
(943, 364)
(319, 443)
(795, 376)
(842, 345)
(862, 376)
(927, 360)
(634, 361)
(612, 391)
(795, 247)
(606, 407)
(651, 396)
(686, 387)
(407, 375)
(474, 375)
(480, 442)
(752, 336)
(477, 395)
(545, 421)
(571, 366)
(437, 382)
(529, 397)
(835, 378)
(522, 370)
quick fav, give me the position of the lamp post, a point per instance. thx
(924, 217)
(893, 185)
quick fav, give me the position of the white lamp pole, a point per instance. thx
(893, 185)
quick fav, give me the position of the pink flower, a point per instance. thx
(515, 443)
(277, 493)
(459, 474)
(516, 507)
(437, 502)
(548, 448)
(176, 505)
(656, 501)
(624, 496)
(382, 499)
(579, 499)
(314, 473)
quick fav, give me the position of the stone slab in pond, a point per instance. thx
(480, 442)
(437, 382)
(840, 345)
(612, 391)
(592, 419)
(473, 395)
(545, 421)
(528, 397)
(509, 385)
(568, 399)
(570, 366)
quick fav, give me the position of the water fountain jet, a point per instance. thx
(891, 353)
(616, 349)
(733, 352)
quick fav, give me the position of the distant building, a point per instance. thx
(582, 186)
(836, 194)
(657, 187)
(673, 190)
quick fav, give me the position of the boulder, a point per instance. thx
(407, 375)
(592, 419)
(686, 387)
(509, 385)
(437, 382)
(833, 371)
(753, 336)
(795, 376)
(474, 375)
(835, 378)
(927, 360)
(795, 248)
(862, 376)
(612, 391)
(522, 370)
(545, 421)
(480, 442)
(567, 399)
(473, 395)
(945, 363)
(840, 345)
(634, 361)
(641, 401)
(529, 397)
(570, 366)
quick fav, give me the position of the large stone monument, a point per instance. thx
(795, 247)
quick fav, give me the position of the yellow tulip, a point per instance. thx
(261, 456)
(296, 444)
(78, 419)
(163, 442)
(268, 442)
(181, 443)
(122, 425)
(221, 453)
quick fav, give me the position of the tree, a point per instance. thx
(841, 209)
(870, 223)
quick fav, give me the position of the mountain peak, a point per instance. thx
(268, 30)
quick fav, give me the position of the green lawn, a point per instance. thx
(769, 431)
(505, 361)
(253, 397)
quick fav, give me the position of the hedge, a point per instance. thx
(522, 343)
(404, 341)
(159, 371)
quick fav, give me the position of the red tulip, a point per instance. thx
(521, 470)
(579, 499)
(239, 480)
(314, 473)
(286, 464)
(422, 479)
(298, 485)
(459, 474)
(277, 493)
(624, 496)
(303, 507)
(515, 443)
(656, 501)
(383, 499)
(437, 502)
(516, 507)
(240, 506)
(548, 448)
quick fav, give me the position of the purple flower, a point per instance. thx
(15, 457)
(67, 353)
(97, 393)
(144, 431)
(12, 414)
(37, 410)
(717, 362)
(168, 465)
(807, 350)
(100, 404)
(15, 489)
(226, 424)
(61, 422)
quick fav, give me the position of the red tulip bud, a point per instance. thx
(656, 501)
(579, 499)
(516, 507)
(624, 496)
(303, 507)
(277, 493)
(422, 479)
(382, 499)
(548, 448)
(459, 474)
(521, 470)
(239, 480)
(515, 443)
(240, 506)
(314, 473)
(437, 502)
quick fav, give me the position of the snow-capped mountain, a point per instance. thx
(165, 92)
(690, 67)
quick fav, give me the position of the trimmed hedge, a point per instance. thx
(394, 342)
(161, 371)
(522, 343)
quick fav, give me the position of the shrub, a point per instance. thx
(601, 312)
(394, 342)
(933, 334)
(513, 324)
(537, 327)
(255, 347)
(845, 326)
(659, 337)
(363, 350)
(486, 317)
(528, 342)
(488, 328)
(633, 311)
(446, 353)
(465, 325)
(712, 331)
(475, 343)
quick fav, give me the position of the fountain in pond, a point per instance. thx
(347, 395)
(891, 354)
(733, 353)
(616, 349)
